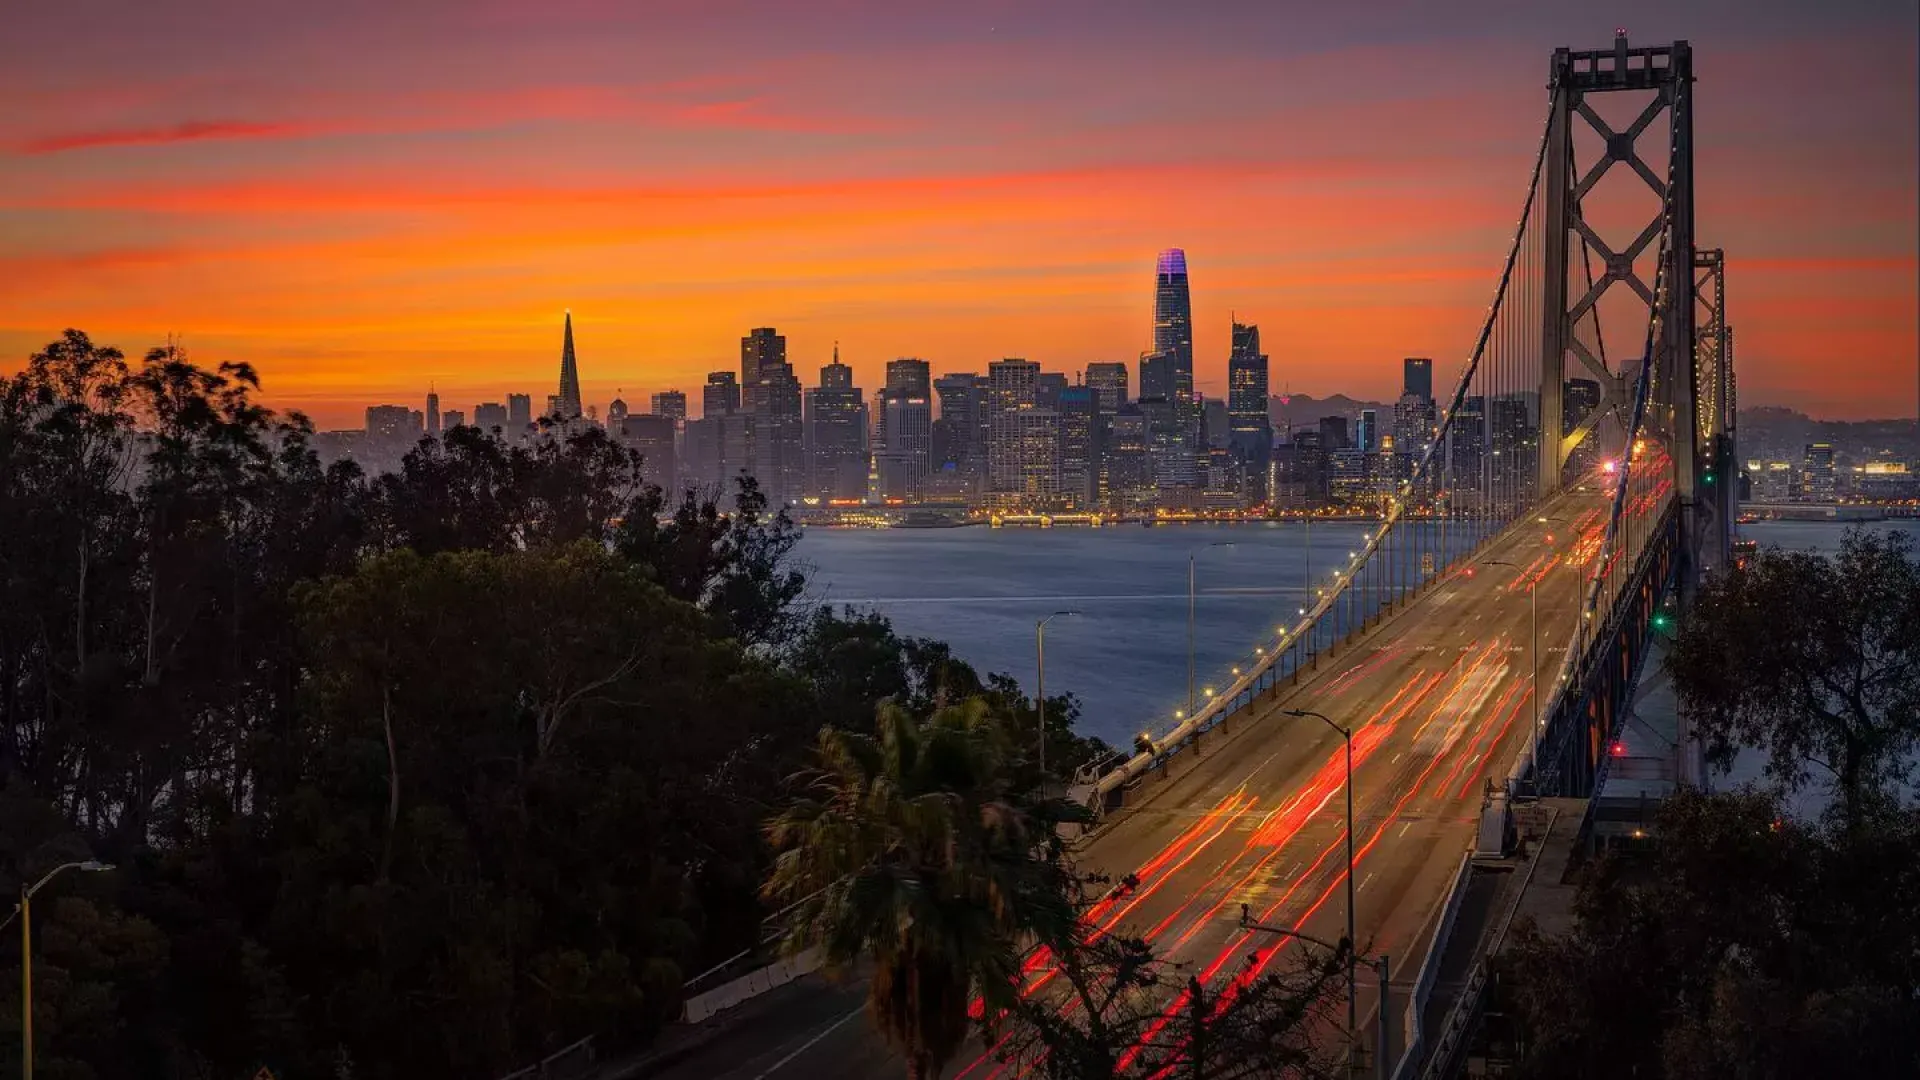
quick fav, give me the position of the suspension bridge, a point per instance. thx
(1483, 644)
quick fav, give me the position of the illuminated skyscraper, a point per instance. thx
(963, 409)
(1247, 419)
(1417, 377)
(771, 395)
(1078, 410)
(837, 435)
(722, 395)
(569, 403)
(1109, 381)
(671, 404)
(1156, 377)
(1173, 322)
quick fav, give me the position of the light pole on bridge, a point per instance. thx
(1533, 650)
(1353, 1006)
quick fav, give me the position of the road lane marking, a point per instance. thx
(809, 1044)
(1363, 882)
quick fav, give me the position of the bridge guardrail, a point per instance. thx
(1466, 1007)
(1429, 970)
(1572, 687)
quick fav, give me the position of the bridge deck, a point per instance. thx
(1438, 700)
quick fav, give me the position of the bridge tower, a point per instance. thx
(1573, 290)
(1718, 494)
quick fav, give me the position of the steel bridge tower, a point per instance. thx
(1689, 398)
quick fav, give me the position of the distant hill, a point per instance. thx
(1773, 431)
(1305, 410)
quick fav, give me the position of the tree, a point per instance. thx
(1814, 660)
(909, 849)
(735, 566)
(1746, 945)
(1104, 1006)
(431, 773)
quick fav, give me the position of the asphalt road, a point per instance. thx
(1438, 699)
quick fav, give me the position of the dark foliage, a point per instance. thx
(1750, 943)
(1746, 946)
(426, 773)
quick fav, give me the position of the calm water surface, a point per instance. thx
(1125, 655)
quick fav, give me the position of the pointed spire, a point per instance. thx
(836, 350)
(569, 374)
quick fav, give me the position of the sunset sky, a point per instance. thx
(362, 198)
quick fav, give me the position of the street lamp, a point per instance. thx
(23, 909)
(1191, 556)
(1353, 1004)
(1533, 660)
(1040, 681)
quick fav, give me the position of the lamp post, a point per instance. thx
(23, 909)
(1353, 1006)
(1533, 659)
(1191, 556)
(1040, 681)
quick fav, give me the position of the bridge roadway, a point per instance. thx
(1438, 699)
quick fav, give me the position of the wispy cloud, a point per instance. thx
(670, 106)
(185, 132)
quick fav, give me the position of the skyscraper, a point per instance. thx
(1078, 409)
(616, 413)
(1156, 376)
(1173, 322)
(909, 374)
(1127, 460)
(671, 404)
(1247, 418)
(490, 416)
(1817, 473)
(905, 460)
(1366, 434)
(1417, 377)
(1333, 433)
(1109, 381)
(722, 394)
(962, 432)
(433, 413)
(770, 394)
(519, 414)
(1414, 419)
(836, 418)
(1012, 420)
(569, 405)
(450, 419)
(653, 437)
(393, 425)
(1047, 390)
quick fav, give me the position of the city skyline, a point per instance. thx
(426, 224)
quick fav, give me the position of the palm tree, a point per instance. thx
(912, 849)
